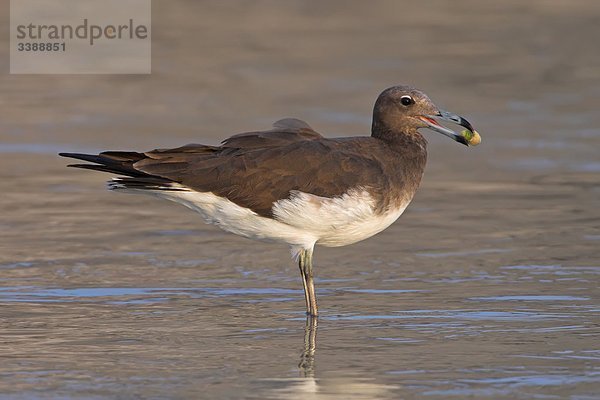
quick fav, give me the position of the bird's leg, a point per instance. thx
(307, 269)
(301, 261)
(311, 287)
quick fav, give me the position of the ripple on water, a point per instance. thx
(509, 382)
(521, 316)
(42, 148)
(592, 237)
(554, 269)
(463, 253)
(531, 298)
(176, 232)
(507, 385)
(384, 291)
(133, 295)
(17, 265)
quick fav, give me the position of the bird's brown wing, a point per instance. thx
(257, 178)
(285, 131)
(254, 169)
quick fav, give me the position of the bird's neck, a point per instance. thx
(405, 164)
(398, 137)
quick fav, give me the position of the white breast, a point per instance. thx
(300, 221)
(337, 221)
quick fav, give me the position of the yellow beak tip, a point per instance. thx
(473, 138)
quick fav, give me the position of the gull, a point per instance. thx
(292, 185)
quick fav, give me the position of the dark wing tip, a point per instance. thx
(69, 155)
(94, 158)
(120, 163)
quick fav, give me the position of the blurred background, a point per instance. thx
(486, 287)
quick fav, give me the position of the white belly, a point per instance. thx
(300, 221)
(337, 221)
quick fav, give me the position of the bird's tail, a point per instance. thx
(122, 163)
(116, 162)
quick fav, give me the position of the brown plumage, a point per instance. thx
(258, 170)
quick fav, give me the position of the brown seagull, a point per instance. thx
(292, 185)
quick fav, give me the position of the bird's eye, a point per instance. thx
(406, 100)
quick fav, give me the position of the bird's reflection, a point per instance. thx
(335, 385)
(307, 359)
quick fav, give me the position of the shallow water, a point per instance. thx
(487, 286)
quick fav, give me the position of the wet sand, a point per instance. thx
(487, 286)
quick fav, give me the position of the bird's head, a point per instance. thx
(406, 109)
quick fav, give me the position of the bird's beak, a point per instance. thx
(468, 137)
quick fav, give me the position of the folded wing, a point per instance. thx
(253, 170)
